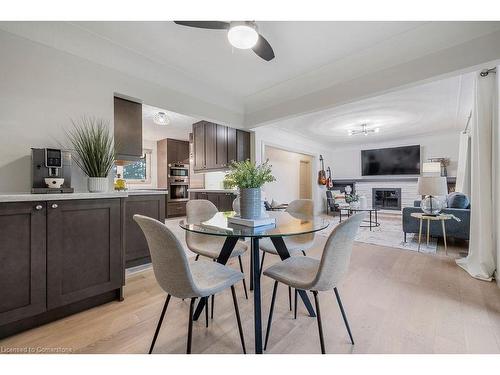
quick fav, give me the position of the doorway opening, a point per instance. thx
(293, 172)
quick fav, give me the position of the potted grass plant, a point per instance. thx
(249, 178)
(93, 150)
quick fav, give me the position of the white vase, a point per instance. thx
(236, 206)
(363, 204)
(97, 184)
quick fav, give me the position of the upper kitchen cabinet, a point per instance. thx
(242, 145)
(177, 151)
(215, 146)
(128, 129)
(199, 146)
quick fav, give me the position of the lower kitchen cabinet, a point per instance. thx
(136, 246)
(175, 209)
(58, 258)
(84, 256)
(223, 201)
(22, 260)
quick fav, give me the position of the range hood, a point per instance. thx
(127, 130)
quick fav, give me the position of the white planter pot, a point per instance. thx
(363, 203)
(236, 206)
(97, 184)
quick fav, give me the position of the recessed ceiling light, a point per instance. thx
(243, 35)
(160, 118)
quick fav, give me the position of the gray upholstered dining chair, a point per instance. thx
(180, 279)
(301, 209)
(305, 273)
(197, 211)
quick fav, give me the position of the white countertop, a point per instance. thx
(25, 197)
(147, 191)
(232, 191)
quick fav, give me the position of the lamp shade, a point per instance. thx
(432, 185)
(432, 167)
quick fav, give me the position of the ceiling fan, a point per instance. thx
(241, 34)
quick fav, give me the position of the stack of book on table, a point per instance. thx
(260, 222)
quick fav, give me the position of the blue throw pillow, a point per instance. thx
(457, 200)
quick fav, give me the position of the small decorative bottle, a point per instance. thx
(120, 183)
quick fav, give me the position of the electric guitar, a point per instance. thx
(329, 181)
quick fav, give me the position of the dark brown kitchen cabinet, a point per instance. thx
(127, 129)
(58, 258)
(223, 201)
(210, 146)
(22, 260)
(175, 209)
(232, 149)
(238, 145)
(242, 145)
(214, 198)
(177, 151)
(199, 146)
(84, 256)
(221, 146)
(226, 201)
(136, 247)
(170, 151)
(215, 146)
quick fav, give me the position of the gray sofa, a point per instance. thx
(453, 228)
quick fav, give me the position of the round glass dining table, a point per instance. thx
(285, 225)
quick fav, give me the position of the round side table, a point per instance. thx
(422, 216)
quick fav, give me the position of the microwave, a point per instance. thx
(178, 170)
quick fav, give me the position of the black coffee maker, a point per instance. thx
(50, 171)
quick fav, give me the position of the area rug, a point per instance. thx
(389, 233)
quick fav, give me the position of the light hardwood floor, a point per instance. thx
(397, 301)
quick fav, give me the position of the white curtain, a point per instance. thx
(463, 168)
(481, 260)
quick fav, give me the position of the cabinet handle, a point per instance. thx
(54, 205)
(38, 207)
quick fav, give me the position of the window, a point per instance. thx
(138, 172)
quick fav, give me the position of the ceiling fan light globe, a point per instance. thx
(242, 36)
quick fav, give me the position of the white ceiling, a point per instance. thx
(431, 108)
(311, 57)
(207, 55)
(179, 126)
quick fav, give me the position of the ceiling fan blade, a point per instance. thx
(213, 25)
(263, 49)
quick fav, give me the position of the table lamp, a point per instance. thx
(431, 169)
(431, 187)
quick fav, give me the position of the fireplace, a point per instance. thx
(386, 198)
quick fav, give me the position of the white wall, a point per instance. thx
(286, 169)
(214, 180)
(346, 161)
(41, 89)
(270, 136)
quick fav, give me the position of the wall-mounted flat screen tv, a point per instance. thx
(391, 161)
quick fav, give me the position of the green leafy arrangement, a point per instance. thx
(92, 146)
(247, 175)
(349, 198)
